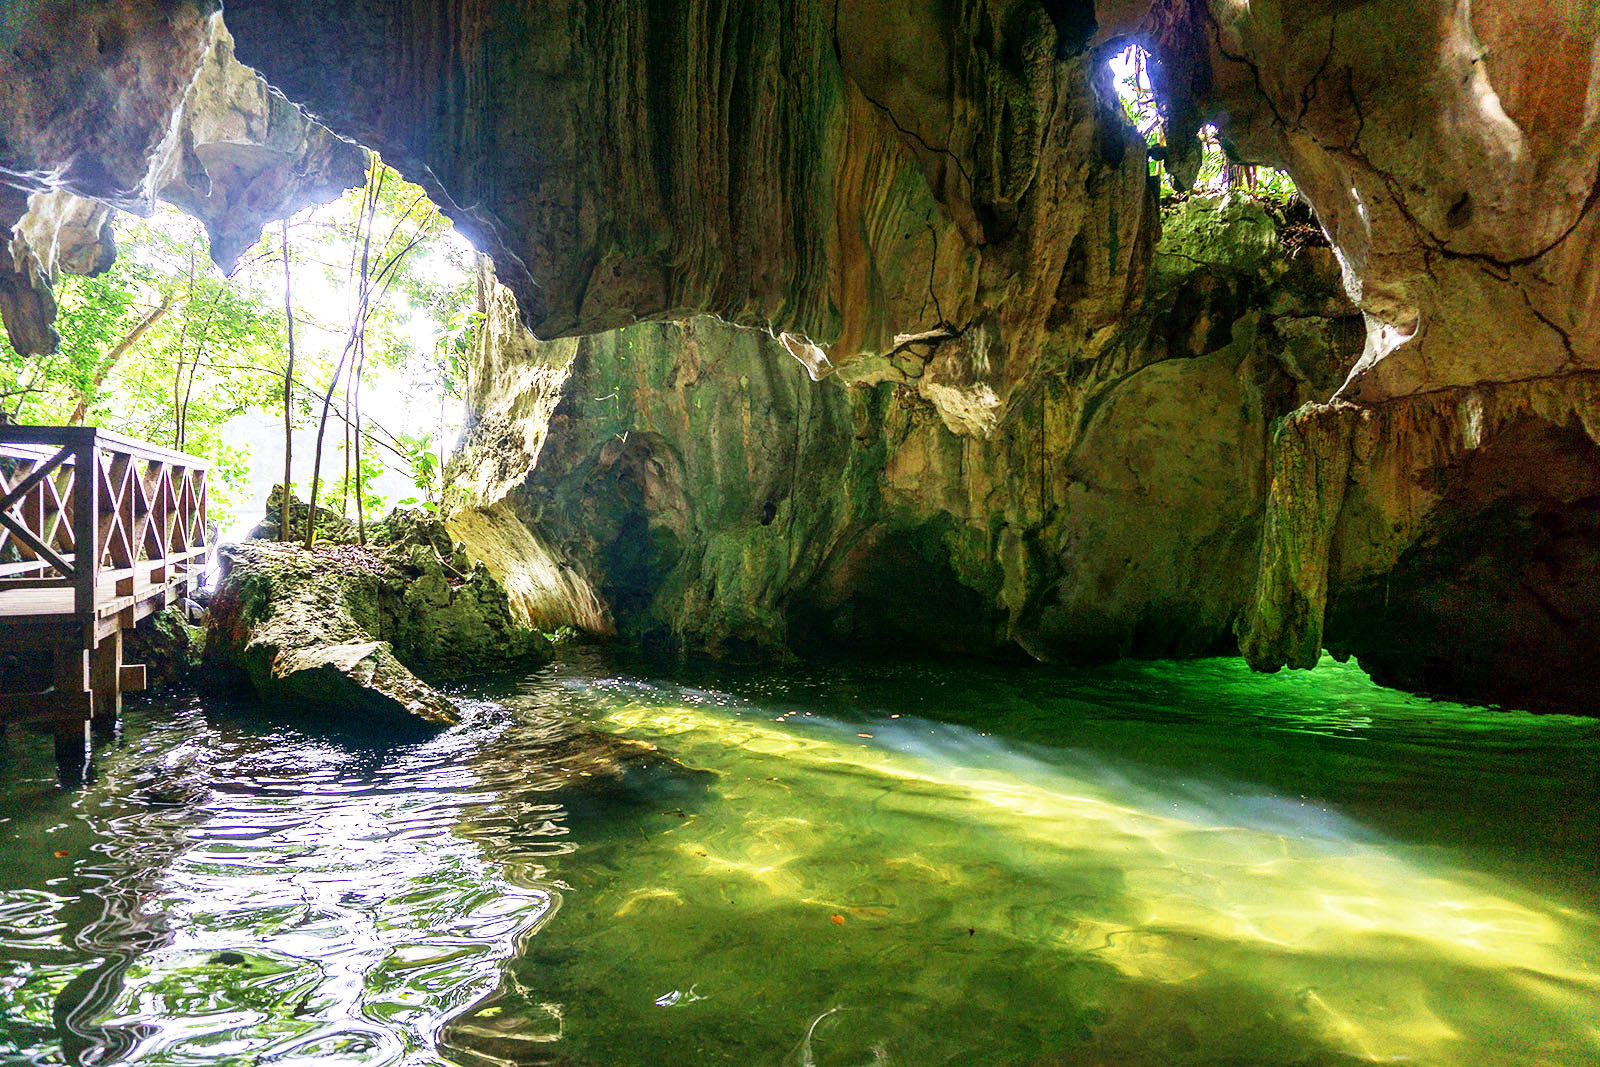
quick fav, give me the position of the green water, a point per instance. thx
(1147, 864)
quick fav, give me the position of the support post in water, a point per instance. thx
(97, 532)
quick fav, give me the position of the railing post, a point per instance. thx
(86, 530)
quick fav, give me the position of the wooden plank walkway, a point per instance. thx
(97, 532)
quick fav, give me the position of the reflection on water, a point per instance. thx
(1147, 864)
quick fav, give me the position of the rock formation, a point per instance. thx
(49, 233)
(714, 497)
(886, 186)
(243, 155)
(945, 204)
(1452, 152)
(1035, 414)
(281, 620)
(345, 626)
(331, 526)
(170, 647)
(160, 109)
(86, 108)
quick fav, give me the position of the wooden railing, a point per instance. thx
(83, 509)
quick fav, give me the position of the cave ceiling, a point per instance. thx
(877, 182)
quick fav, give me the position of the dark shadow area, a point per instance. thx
(1499, 600)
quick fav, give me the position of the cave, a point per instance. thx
(1012, 531)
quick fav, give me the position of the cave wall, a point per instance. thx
(1016, 403)
(877, 183)
(863, 174)
(1452, 152)
(1448, 541)
(158, 109)
(717, 499)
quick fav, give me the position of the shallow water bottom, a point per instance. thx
(647, 864)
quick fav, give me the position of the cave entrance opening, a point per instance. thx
(1132, 69)
(164, 345)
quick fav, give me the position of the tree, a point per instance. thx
(286, 514)
(390, 223)
(164, 347)
(119, 350)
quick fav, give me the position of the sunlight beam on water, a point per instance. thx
(1210, 879)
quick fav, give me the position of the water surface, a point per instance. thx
(641, 864)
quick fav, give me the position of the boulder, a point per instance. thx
(345, 624)
(280, 621)
(331, 526)
(444, 613)
(168, 645)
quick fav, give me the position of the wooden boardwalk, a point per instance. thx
(97, 532)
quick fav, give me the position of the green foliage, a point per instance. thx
(425, 463)
(1218, 171)
(369, 503)
(164, 347)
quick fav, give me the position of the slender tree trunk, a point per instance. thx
(357, 326)
(285, 512)
(183, 338)
(436, 491)
(188, 388)
(361, 510)
(316, 462)
(194, 366)
(119, 350)
(344, 488)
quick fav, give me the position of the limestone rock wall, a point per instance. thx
(89, 91)
(242, 155)
(87, 97)
(1451, 149)
(714, 497)
(159, 108)
(1449, 541)
(888, 184)
(49, 233)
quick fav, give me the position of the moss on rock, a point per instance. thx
(280, 621)
(168, 645)
(345, 626)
